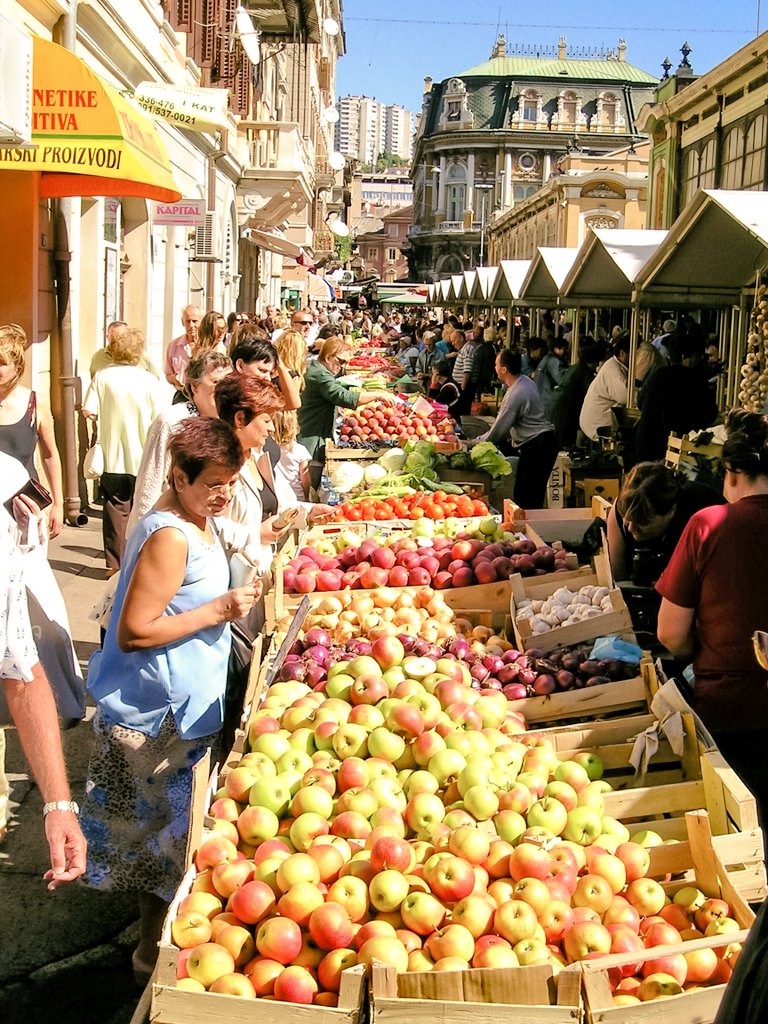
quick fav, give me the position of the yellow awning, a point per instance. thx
(89, 140)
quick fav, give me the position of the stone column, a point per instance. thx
(441, 190)
(469, 202)
(507, 197)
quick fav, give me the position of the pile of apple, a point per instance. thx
(374, 422)
(438, 562)
(397, 813)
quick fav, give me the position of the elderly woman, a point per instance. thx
(323, 394)
(202, 375)
(125, 399)
(160, 679)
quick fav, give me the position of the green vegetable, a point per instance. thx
(486, 456)
(392, 460)
(460, 460)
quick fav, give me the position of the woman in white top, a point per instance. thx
(125, 399)
(202, 375)
(294, 457)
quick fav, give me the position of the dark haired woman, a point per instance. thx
(714, 597)
(522, 428)
(650, 513)
(254, 354)
(160, 678)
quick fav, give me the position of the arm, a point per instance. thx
(304, 477)
(33, 709)
(52, 466)
(157, 577)
(617, 549)
(676, 629)
(615, 385)
(500, 430)
(289, 387)
(170, 373)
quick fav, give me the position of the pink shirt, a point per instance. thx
(177, 357)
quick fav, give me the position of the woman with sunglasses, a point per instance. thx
(160, 678)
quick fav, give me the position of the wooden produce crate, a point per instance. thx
(708, 872)
(171, 1005)
(525, 995)
(685, 455)
(565, 524)
(617, 621)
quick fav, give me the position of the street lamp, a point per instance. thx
(484, 187)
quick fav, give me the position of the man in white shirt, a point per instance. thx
(607, 390)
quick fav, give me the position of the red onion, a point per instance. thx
(315, 674)
(359, 646)
(597, 680)
(420, 647)
(544, 684)
(479, 672)
(317, 635)
(407, 641)
(527, 676)
(459, 647)
(297, 647)
(508, 674)
(289, 578)
(509, 656)
(565, 680)
(294, 671)
(515, 691)
(434, 652)
(492, 662)
(320, 655)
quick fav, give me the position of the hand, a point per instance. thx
(67, 847)
(268, 532)
(55, 520)
(385, 398)
(321, 513)
(236, 603)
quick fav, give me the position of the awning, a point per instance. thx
(272, 239)
(320, 289)
(608, 263)
(509, 281)
(548, 269)
(88, 139)
(407, 298)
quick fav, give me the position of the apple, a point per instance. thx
(701, 965)
(190, 928)
(591, 763)
(548, 813)
(216, 850)
(497, 953)
(674, 964)
(279, 938)
(392, 852)
(253, 901)
(306, 828)
(583, 825)
(625, 940)
(422, 913)
(710, 910)
(204, 902)
(556, 919)
(660, 933)
(593, 891)
(585, 937)
(646, 896)
(209, 961)
(611, 868)
(388, 889)
(469, 843)
(233, 985)
(424, 810)
(330, 926)
(240, 943)
(689, 898)
(475, 913)
(528, 860)
(387, 949)
(262, 974)
(295, 985)
(531, 951)
(535, 893)
(331, 966)
(621, 911)
(299, 902)
(635, 858)
(352, 893)
(515, 920)
(658, 986)
(450, 878)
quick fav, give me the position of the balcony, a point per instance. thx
(279, 177)
(292, 20)
(457, 226)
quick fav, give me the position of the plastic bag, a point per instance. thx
(613, 648)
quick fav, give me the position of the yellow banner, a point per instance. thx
(197, 110)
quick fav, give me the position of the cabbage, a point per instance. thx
(486, 456)
(375, 474)
(346, 476)
(392, 460)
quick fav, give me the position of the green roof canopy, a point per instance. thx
(548, 67)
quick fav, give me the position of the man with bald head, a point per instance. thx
(180, 349)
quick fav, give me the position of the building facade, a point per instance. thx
(707, 132)
(383, 251)
(583, 192)
(491, 137)
(366, 128)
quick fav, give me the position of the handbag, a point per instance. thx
(93, 463)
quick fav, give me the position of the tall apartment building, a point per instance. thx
(367, 127)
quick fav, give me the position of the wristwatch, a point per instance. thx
(61, 805)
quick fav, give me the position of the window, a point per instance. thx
(529, 108)
(372, 252)
(732, 159)
(754, 154)
(690, 182)
(456, 194)
(609, 108)
(707, 165)
(392, 255)
(526, 161)
(568, 108)
(453, 110)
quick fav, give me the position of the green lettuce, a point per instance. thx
(486, 456)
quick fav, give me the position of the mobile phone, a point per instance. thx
(284, 519)
(31, 489)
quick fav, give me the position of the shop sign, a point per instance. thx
(15, 84)
(190, 212)
(196, 110)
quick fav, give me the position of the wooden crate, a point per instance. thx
(171, 1005)
(615, 622)
(682, 453)
(525, 995)
(707, 871)
(565, 524)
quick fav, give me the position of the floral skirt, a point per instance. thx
(135, 815)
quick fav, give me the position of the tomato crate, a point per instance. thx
(525, 995)
(171, 1005)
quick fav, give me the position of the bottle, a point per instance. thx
(328, 494)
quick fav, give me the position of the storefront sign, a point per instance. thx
(15, 84)
(190, 212)
(197, 110)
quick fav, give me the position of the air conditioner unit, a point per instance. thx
(204, 248)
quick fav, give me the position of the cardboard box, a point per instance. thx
(556, 487)
(523, 995)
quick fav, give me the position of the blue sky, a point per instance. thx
(392, 45)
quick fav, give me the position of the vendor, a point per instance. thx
(714, 597)
(648, 518)
(443, 389)
(522, 428)
(323, 393)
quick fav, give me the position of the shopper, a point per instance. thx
(103, 357)
(607, 391)
(202, 375)
(521, 428)
(125, 400)
(714, 598)
(26, 426)
(210, 335)
(160, 678)
(551, 371)
(443, 389)
(293, 466)
(179, 351)
(255, 355)
(569, 396)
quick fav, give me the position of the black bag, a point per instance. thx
(237, 680)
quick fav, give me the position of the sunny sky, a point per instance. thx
(392, 45)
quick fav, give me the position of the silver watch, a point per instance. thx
(61, 805)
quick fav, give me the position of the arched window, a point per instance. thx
(690, 181)
(456, 191)
(707, 165)
(754, 154)
(733, 158)
(529, 106)
(568, 109)
(609, 110)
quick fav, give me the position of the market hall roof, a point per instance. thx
(613, 71)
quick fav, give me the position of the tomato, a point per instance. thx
(383, 513)
(417, 512)
(438, 510)
(479, 508)
(464, 507)
(439, 496)
(401, 510)
(354, 515)
(391, 501)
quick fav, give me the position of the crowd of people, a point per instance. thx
(207, 464)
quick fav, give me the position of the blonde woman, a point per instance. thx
(292, 350)
(125, 399)
(294, 457)
(25, 425)
(211, 334)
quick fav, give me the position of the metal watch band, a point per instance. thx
(61, 805)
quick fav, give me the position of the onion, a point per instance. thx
(527, 676)
(508, 674)
(533, 653)
(493, 663)
(570, 661)
(459, 647)
(479, 672)
(319, 636)
(294, 671)
(420, 647)
(590, 668)
(509, 656)
(515, 691)
(616, 670)
(407, 641)
(492, 683)
(544, 684)
(297, 647)
(291, 657)
(359, 646)
(320, 655)
(597, 680)
(435, 652)
(315, 674)
(565, 680)
(469, 658)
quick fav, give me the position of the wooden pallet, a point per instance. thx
(525, 995)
